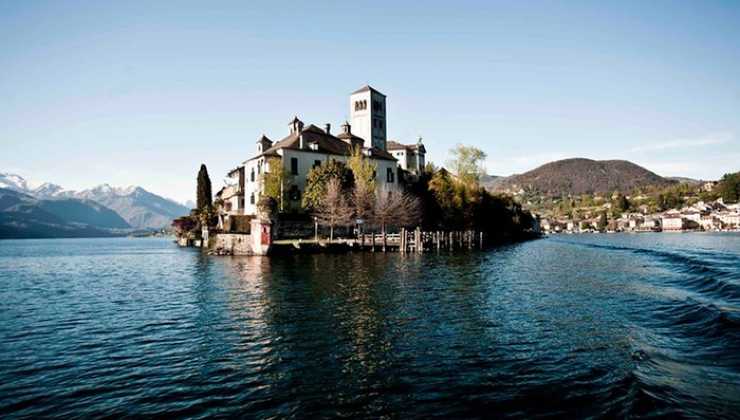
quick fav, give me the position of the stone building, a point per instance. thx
(307, 146)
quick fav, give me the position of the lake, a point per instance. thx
(578, 326)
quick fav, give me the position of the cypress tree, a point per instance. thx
(204, 188)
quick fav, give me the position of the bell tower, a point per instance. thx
(368, 116)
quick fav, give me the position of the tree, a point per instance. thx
(363, 170)
(363, 201)
(467, 163)
(275, 181)
(396, 209)
(318, 178)
(333, 209)
(603, 221)
(443, 192)
(729, 188)
(204, 196)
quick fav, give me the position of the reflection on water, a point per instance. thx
(604, 325)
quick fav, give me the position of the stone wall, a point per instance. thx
(232, 243)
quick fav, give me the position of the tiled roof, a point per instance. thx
(394, 145)
(325, 143)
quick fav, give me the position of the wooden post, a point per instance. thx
(481, 240)
(417, 240)
(372, 241)
(400, 245)
(384, 240)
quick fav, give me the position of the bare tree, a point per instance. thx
(333, 209)
(395, 209)
(363, 202)
(410, 210)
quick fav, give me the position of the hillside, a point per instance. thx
(139, 208)
(24, 216)
(582, 176)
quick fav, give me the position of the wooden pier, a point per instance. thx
(409, 241)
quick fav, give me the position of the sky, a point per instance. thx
(142, 93)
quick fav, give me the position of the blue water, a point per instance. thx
(579, 326)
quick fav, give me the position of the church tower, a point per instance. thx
(368, 116)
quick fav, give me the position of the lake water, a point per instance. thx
(577, 326)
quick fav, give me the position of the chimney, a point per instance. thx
(346, 128)
(328, 128)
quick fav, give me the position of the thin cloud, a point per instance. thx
(709, 140)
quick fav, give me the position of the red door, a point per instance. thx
(265, 235)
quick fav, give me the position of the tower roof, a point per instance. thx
(365, 89)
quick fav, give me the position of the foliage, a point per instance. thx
(318, 178)
(603, 221)
(275, 181)
(363, 170)
(267, 207)
(453, 204)
(185, 225)
(467, 163)
(729, 188)
(204, 195)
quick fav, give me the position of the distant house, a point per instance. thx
(672, 221)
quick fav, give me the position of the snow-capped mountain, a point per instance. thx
(140, 208)
(14, 182)
(48, 190)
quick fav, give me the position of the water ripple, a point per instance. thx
(590, 326)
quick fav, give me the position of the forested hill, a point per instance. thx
(582, 176)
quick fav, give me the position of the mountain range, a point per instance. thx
(579, 176)
(49, 210)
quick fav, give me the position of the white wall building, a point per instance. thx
(367, 110)
(308, 146)
(411, 157)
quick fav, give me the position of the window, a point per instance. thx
(251, 176)
(389, 175)
(294, 193)
(294, 166)
(251, 199)
(316, 163)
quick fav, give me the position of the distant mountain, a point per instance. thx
(47, 190)
(684, 180)
(24, 216)
(14, 182)
(491, 181)
(139, 208)
(582, 176)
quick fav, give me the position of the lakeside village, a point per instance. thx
(314, 190)
(691, 209)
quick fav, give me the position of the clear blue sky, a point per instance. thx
(143, 92)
